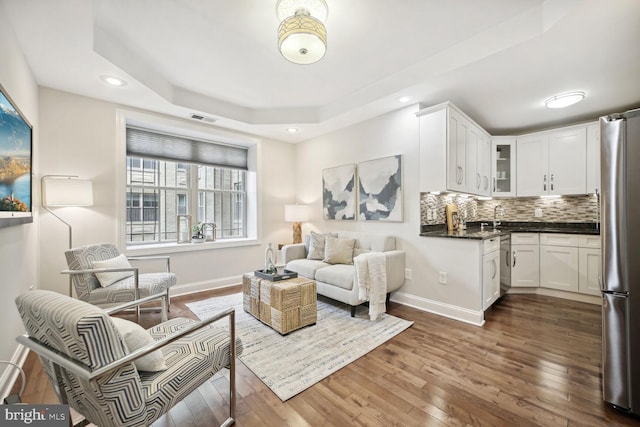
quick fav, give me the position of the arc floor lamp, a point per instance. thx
(63, 191)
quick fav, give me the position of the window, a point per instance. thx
(159, 188)
(222, 199)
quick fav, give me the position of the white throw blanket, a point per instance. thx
(371, 278)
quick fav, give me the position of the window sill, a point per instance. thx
(168, 248)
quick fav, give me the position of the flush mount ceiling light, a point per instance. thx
(113, 81)
(564, 100)
(293, 130)
(302, 36)
(404, 99)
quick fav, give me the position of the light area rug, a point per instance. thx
(292, 363)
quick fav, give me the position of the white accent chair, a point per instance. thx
(136, 286)
(91, 368)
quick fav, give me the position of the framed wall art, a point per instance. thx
(380, 189)
(339, 192)
(15, 164)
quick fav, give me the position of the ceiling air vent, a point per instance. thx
(202, 118)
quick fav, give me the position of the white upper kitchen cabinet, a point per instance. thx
(503, 163)
(552, 163)
(455, 153)
(433, 149)
(485, 168)
(478, 161)
(593, 158)
(532, 165)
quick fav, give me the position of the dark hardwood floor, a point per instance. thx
(536, 361)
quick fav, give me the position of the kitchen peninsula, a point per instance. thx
(556, 259)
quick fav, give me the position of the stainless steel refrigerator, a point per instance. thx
(620, 283)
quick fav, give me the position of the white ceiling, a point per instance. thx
(498, 60)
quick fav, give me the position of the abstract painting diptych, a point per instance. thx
(373, 189)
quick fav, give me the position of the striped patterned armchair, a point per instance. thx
(137, 285)
(91, 369)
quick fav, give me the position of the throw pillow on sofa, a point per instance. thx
(316, 245)
(338, 251)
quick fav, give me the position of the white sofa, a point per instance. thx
(337, 281)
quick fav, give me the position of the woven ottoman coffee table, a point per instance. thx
(284, 305)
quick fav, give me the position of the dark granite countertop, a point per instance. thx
(473, 229)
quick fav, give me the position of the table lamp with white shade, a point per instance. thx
(297, 214)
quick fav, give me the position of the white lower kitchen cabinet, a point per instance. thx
(525, 260)
(559, 261)
(560, 268)
(490, 272)
(525, 266)
(589, 265)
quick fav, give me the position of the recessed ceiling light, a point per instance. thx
(405, 98)
(564, 99)
(293, 130)
(113, 81)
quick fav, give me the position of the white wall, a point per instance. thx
(391, 134)
(79, 138)
(18, 244)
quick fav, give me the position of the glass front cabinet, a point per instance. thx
(503, 160)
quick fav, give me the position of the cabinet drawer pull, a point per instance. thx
(494, 184)
(514, 258)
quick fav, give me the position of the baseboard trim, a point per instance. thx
(589, 299)
(11, 374)
(472, 317)
(191, 288)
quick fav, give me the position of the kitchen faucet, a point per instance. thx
(496, 223)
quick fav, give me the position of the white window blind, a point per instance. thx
(144, 143)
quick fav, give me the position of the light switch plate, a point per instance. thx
(442, 277)
(537, 212)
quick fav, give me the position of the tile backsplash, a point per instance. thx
(563, 209)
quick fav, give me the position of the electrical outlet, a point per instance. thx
(537, 212)
(443, 277)
(407, 274)
(429, 214)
